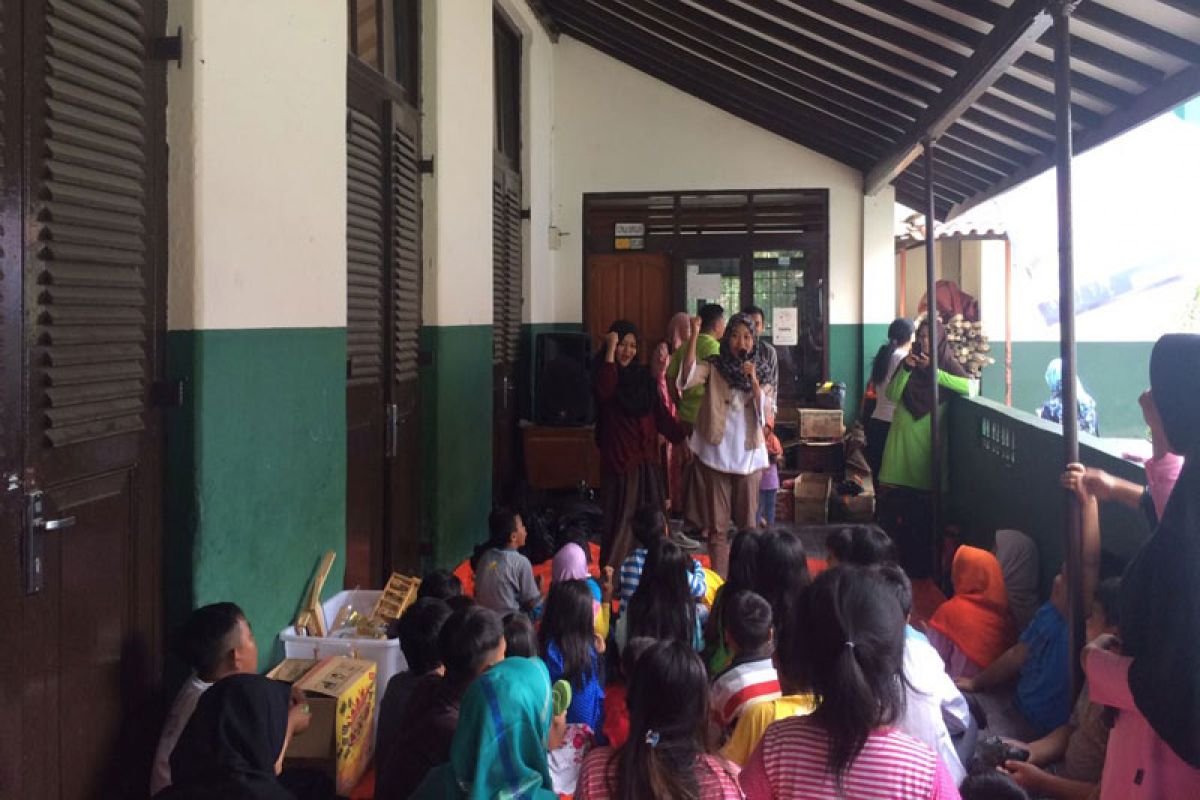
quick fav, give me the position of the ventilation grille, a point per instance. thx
(90, 342)
(506, 267)
(406, 260)
(365, 248)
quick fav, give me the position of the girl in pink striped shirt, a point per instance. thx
(851, 656)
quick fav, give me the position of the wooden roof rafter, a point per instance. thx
(862, 80)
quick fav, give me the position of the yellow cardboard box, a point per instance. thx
(341, 693)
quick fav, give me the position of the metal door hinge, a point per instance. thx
(426, 166)
(167, 394)
(168, 48)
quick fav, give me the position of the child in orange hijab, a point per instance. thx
(974, 627)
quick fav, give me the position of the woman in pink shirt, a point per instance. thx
(1154, 749)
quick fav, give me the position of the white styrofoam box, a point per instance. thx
(384, 652)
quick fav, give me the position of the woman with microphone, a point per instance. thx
(728, 439)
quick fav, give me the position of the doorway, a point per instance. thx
(383, 297)
(767, 248)
(631, 286)
(82, 324)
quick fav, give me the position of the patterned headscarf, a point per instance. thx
(729, 363)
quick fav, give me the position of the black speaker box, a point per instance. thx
(563, 380)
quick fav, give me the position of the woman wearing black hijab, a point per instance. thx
(1154, 682)
(232, 748)
(631, 415)
(905, 476)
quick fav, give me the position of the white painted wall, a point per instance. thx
(617, 129)
(879, 248)
(257, 169)
(457, 92)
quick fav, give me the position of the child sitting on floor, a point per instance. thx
(848, 646)
(571, 564)
(503, 577)
(935, 711)
(863, 545)
(520, 637)
(649, 525)
(470, 642)
(751, 677)
(666, 755)
(418, 631)
(217, 642)
(616, 710)
(1039, 660)
(1075, 750)
(440, 584)
(743, 570)
(974, 627)
(663, 606)
(572, 652)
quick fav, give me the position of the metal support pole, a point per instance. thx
(1066, 313)
(1007, 322)
(935, 438)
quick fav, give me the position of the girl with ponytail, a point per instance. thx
(666, 755)
(847, 648)
(889, 358)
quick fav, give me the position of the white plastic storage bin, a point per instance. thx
(384, 652)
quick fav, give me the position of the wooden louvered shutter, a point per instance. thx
(365, 256)
(506, 266)
(87, 288)
(406, 248)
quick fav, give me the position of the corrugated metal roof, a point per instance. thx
(852, 79)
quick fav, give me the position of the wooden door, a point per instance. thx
(631, 286)
(507, 279)
(81, 279)
(383, 319)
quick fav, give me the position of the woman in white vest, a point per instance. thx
(728, 439)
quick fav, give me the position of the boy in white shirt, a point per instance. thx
(935, 711)
(217, 642)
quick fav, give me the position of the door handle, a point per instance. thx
(33, 549)
(56, 524)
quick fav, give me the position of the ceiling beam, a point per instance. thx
(1174, 91)
(1004, 44)
(1084, 49)
(538, 7)
(953, 60)
(956, 31)
(1134, 30)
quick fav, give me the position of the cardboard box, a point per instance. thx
(291, 670)
(341, 738)
(821, 423)
(812, 498)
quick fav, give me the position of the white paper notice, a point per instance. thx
(785, 326)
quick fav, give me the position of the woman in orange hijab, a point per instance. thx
(974, 627)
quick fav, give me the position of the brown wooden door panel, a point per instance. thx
(631, 286)
(366, 366)
(82, 256)
(383, 328)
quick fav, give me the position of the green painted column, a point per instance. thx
(256, 470)
(456, 409)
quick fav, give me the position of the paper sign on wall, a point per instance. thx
(785, 326)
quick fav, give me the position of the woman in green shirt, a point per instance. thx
(905, 505)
